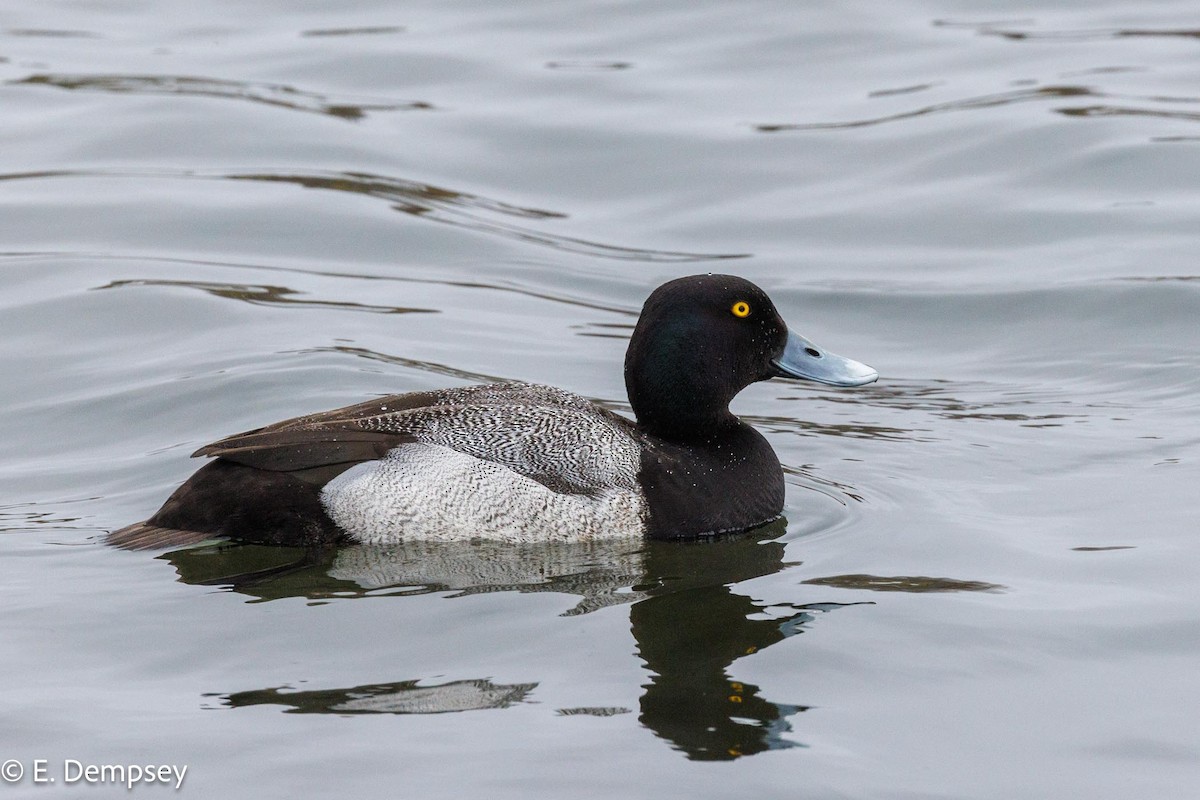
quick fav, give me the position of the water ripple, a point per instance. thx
(1119, 111)
(373, 30)
(26, 516)
(265, 295)
(589, 65)
(432, 367)
(966, 104)
(1024, 95)
(50, 33)
(947, 400)
(1008, 30)
(270, 94)
(425, 201)
(457, 208)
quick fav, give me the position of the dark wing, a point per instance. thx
(366, 431)
(343, 436)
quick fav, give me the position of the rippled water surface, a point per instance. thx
(213, 217)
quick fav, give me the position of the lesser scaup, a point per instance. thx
(522, 462)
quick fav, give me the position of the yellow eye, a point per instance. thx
(741, 309)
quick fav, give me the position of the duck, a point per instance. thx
(521, 462)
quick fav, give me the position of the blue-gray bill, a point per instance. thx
(803, 359)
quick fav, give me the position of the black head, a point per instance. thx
(698, 342)
(702, 339)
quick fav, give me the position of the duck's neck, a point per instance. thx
(678, 403)
(683, 424)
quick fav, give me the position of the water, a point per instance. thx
(214, 217)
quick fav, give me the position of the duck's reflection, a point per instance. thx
(694, 627)
(689, 624)
(402, 697)
(600, 573)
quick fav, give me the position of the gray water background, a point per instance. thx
(214, 216)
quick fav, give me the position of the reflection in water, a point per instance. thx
(402, 697)
(689, 624)
(265, 295)
(916, 584)
(599, 572)
(271, 94)
(694, 627)
(420, 200)
(592, 711)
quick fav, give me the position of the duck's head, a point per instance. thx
(702, 339)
